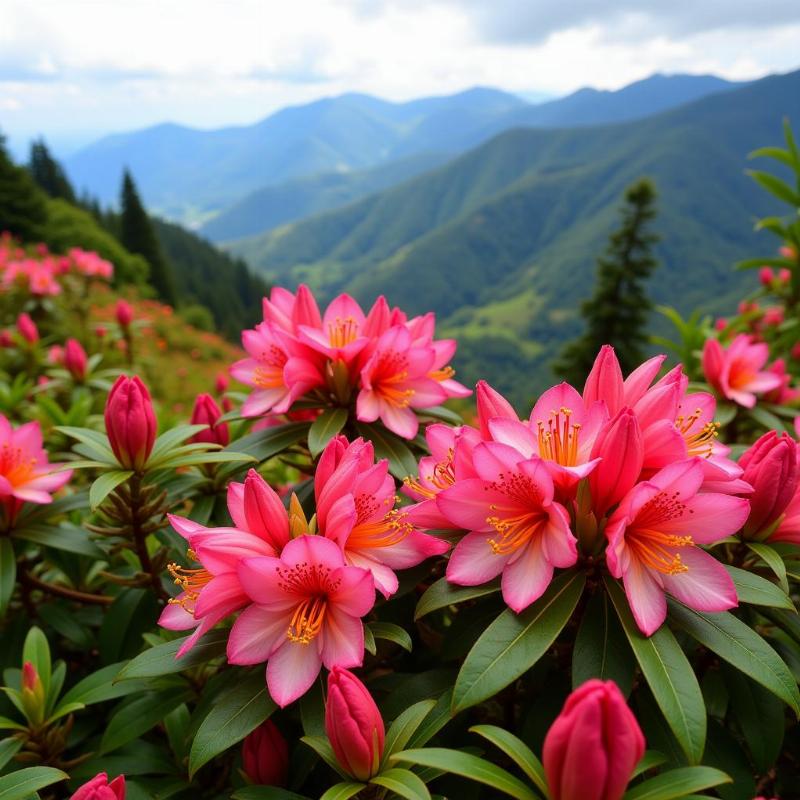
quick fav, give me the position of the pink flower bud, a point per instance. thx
(593, 746)
(27, 329)
(32, 694)
(130, 422)
(221, 383)
(100, 331)
(491, 404)
(773, 315)
(619, 445)
(604, 381)
(770, 467)
(124, 313)
(98, 788)
(6, 340)
(721, 324)
(354, 725)
(265, 756)
(207, 412)
(30, 677)
(785, 276)
(766, 276)
(75, 359)
(55, 354)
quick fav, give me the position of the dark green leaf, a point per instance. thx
(773, 560)
(753, 589)
(99, 687)
(8, 749)
(324, 428)
(517, 751)
(677, 783)
(131, 613)
(106, 484)
(266, 793)
(8, 573)
(66, 537)
(401, 460)
(322, 747)
(392, 633)
(161, 659)
(23, 783)
(442, 594)
(402, 782)
(342, 791)
(266, 443)
(404, 727)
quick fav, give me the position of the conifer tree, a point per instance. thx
(617, 312)
(138, 236)
(23, 212)
(48, 173)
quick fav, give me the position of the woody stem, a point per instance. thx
(140, 536)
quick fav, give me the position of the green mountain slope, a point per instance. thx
(500, 242)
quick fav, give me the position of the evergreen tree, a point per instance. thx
(617, 312)
(48, 174)
(23, 212)
(138, 236)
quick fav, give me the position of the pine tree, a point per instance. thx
(617, 312)
(23, 212)
(138, 236)
(48, 173)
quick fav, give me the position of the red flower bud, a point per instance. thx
(593, 745)
(721, 324)
(130, 422)
(621, 450)
(75, 359)
(604, 381)
(100, 331)
(207, 412)
(124, 313)
(354, 725)
(491, 404)
(29, 676)
(98, 788)
(6, 339)
(766, 276)
(265, 755)
(27, 329)
(770, 467)
(221, 383)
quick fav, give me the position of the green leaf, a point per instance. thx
(106, 484)
(267, 793)
(7, 724)
(170, 439)
(651, 759)
(343, 791)
(266, 443)
(517, 751)
(775, 186)
(442, 413)
(468, 766)
(601, 649)
(322, 747)
(204, 457)
(99, 687)
(20, 785)
(232, 717)
(37, 650)
(127, 618)
(757, 591)
(369, 641)
(133, 719)
(401, 460)
(8, 749)
(66, 537)
(324, 428)
(97, 442)
(778, 153)
(8, 573)
(392, 633)
(513, 643)
(64, 622)
(161, 659)
(669, 675)
(766, 419)
(404, 727)
(677, 783)
(773, 560)
(402, 782)
(63, 710)
(437, 719)
(441, 594)
(740, 646)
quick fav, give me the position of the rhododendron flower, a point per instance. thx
(207, 412)
(26, 475)
(99, 788)
(307, 613)
(441, 370)
(490, 404)
(27, 329)
(75, 359)
(355, 508)
(784, 394)
(340, 333)
(737, 373)
(562, 431)
(395, 381)
(605, 381)
(515, 527)
(265, 755)
(652, 543)
(211, 591)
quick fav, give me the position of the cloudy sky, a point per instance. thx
(75, 69)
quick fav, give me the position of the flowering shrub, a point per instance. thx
(332, 586)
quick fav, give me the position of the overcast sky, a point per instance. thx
(74, 69)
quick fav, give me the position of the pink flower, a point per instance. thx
(766, 276)
(307, 612)
(98, 788)
(395, 381)
(784, 394)
(442, 371)
(593, 746)
(605, 381)
(354, 725)
(55, 354)
(27, 329)
(26, 476)
(340, 333)
(355, 508)
(75, 359)
(265, 755)
(491, 404)
(773, 316)
(212, 591)
(720, 324)
(124, 314)
(207, 412)
(130, 422)
(514, 526)
(652, 543)
(736, 373)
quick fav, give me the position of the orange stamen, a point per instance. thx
(559, 440)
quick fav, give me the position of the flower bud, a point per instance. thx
(604, 381)
(32, 694)
(98, 788)
(130, 422)
(124, 314)
(221, 383)
(207, 412)
(27, 329)
(354, 725)
(100, 331)
(773, 316)
(6, 340)
(75, 359)
(491, 404)
(770, 467)
(766, 276)
(721, 324)
(621, 450)
(265, 755)
(593, 746)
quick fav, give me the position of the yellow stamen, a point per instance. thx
(443, 374)
(388, 531)
(342, 332)
(651, 548)
(191, 582)
(559, 440)
(700, 443)
(307, 620)
(513, 532)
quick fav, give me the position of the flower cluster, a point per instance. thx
(385, 363)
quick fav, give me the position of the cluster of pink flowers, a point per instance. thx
(39, 274)
(389, 364)
(659, 486)
(302, 587)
